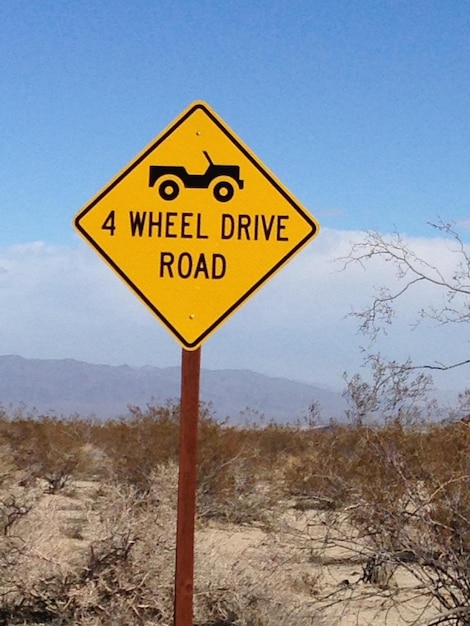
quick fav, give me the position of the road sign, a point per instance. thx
(195, 224)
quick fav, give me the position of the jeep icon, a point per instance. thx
(221, 179)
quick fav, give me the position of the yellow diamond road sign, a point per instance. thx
(195, 224)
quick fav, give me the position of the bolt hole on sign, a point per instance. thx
(195, 224)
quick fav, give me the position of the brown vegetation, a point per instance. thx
(359, 523)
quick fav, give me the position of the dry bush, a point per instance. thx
(395, 494)
(239, 469)
(124, 573)
(315, 476)
(123, 576)
(235, 480)
(128, 575)
(236, 466)
(43, 447)
(136, 445)
(405, 511)
(234, 473)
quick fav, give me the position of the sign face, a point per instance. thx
(195, 224)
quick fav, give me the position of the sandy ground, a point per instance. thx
(298, 557)
(319, 566)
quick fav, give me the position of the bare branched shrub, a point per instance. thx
(124, 576)
(450, 282)
(15, 503)
(407, 499)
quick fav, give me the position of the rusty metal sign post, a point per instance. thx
(194, 225)
(187, 484)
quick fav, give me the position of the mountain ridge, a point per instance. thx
(70, 387)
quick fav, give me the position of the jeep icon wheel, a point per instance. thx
(223, 191)
(168, 189)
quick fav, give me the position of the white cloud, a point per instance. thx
(59, 302)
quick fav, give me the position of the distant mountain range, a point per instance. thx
(67, 387)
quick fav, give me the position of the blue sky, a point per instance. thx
(360, 107)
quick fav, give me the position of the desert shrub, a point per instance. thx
(237, 466)
(122, 577)
(229, 474)
(277, 443)
(125, 575)
(345, 463)
(137, 444)
(319, 472)
(15, 503)
(407, 499)
(398, 490)
(44, 448)
(231, 466)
